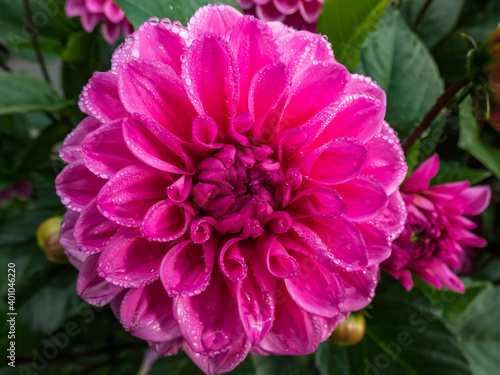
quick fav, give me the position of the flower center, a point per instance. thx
(241, 188)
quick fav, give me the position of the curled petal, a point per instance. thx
(167, 221)
(275, 256)
(320, 201)
(476, 199)
(202, 229)
(232, 260)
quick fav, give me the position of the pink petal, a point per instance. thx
(202, 229)
(130, 260)
(256, 305)
(67, 240)
(154, 145)
(186, 269)
(209, 321)
(310, 10)
(147, 313)
(167, 221)
(104, 151)
(74, 8)
(362, 85)
(476, 199)
(213, 19)
(209, 71)
(112, 12)
(335, 162)
(268, 12)
(100, 97)
(111, 31)
(294, 331)
(378, 244)
(179, 191)
(321, 202)
(254, 47)
(154, 89)
(205, 135)
(287, 6)
(393, 217)
(90, 20)
(127, 197)
(359, 287)
(232, 260)
(92, 287)
(419, 180)
(94, 6)
(77, 186)
(316, 289)
(70, 150)
(92, 230)
(158, 42)
(276, 257)
(365, 197)
(335, 241)
(315, 88)
(267, 90)
(358, 116)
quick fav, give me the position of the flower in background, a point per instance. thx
(232, 189)
(299, 14)
(22, 189)
(94, 11)
(437, 228)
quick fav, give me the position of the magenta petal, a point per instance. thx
(333, 240)
(147, 313)
(100, 97)
(256, 303)
(359, 288)
(92, 287)
(209, 321)
(130, 260)
(111, 31)
(104, 150)
(362, 85)
(205, 134)
(275, 256)
(287, 6)
(364, 196)
(221, 362)
(213, 19)
(335, 162)
(310, 10)
(447, 278)
(385, 161)
(154, 89)
(303, 47)
(267, 89)
(232, 260)
(77, 186)
(315, 88)
(267, 11)
(70, 150)
(294, 331)
(92, 230)
(154, 145)
(316, 289)
(112, 12)
(476, 199)
(167, 221)
(94, 6)
(378, 243)
(392, 218)
(159, 42)
(127, 197)
(202, 229)
(74, 8)
(209, 71)
(358, 116)
(419, 180)
(186, 269)
(320, 201)
(254, 47)
(67, 240)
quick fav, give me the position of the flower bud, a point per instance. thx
(350, 331)
(47, 237)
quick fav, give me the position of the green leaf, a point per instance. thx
(20, 94)
(347, 24)
(470, 140)
(280, 365)
(403, 67)
(139, 11)
(479, 332)
(454, 171)
(438, 20)
(332, 359)
(406, 336)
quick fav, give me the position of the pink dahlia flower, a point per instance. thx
(233, 188)
(437, 229)
(299, 14)
(94, 11)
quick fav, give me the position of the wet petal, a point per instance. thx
(214, 19)
(70, 150)
(167, 221)
(419, 180)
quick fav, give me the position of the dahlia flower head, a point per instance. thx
(299, 14)
(437, 229)
(92, 12)
(232, 189)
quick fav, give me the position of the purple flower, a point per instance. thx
(437, 228)
(233, 188)
(94, 11)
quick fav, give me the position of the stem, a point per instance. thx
(432, 114)
(421, 15)
(34, 38)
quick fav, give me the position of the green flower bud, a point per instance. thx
(350, 331)
(47, 237)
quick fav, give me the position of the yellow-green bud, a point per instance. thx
(350, 331)
(47, 237)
